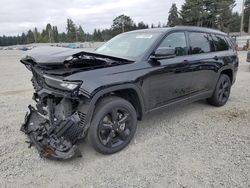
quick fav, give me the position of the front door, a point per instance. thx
(172, 79)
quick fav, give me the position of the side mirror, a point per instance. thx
(164, 53)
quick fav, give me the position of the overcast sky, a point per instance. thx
(17, 16)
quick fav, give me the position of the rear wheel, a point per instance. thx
(221, 92)
(113, 125)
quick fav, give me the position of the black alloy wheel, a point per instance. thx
(113, 125)
(222, 91)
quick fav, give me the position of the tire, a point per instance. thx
(113, 125)
(221, 92)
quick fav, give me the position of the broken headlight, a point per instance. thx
(61, 84)
(70, 85)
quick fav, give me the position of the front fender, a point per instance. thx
(88, 107)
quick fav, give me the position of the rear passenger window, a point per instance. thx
(200, 43)
(220, 43)
(178, 41)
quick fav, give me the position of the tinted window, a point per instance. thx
(200, 43)
(219, 43)
(177, 41)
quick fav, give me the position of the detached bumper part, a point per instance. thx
(55, 142)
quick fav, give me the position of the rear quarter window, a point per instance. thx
(230, 42)
(220, 43)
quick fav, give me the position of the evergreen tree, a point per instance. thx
(55, 34)
(121, 24)
(36, 35)
(191, 12)
(234, 25)
(141, 25)
(23, 39)
(173, 18)
(208, 13)
(49, 33)
(30, 37)
(63, 37)
(97, 36)
(81, 34)
(71, 30)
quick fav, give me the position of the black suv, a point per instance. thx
(102, 94)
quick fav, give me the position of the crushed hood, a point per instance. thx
(57, 55)
(48, 54)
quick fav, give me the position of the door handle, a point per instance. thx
(216, 58)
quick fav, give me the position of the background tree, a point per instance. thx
(55, 35)
(208, 13)
(191, 12)
(142, 25)
(63, 37)
(234, 25)
(246, 15)
(106, 34)
(97, 35)
(121, 24)
(30, 37)
(81, 34)
(48, 33)
(71, 30)
(173, 17)
(205, 13)
(224, 13)
(36, 35)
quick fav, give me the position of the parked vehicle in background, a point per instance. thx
(242, 42)
(102, 95)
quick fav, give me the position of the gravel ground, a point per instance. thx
(193, 146)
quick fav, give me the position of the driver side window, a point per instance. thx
(177, 41)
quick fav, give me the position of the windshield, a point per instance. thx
(129, 45)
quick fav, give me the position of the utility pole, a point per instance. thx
(242, 18)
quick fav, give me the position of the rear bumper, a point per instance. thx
(50, 141)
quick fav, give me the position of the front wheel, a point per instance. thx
(221, 92)
(113, 125)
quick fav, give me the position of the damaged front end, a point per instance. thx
(55, 125)
(52, 141)
(59, 118)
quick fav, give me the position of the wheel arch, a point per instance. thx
(229, 73)
(130, 92)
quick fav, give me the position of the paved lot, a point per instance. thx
(195, 145)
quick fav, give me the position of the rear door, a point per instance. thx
(225, 52)
(202, 62)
